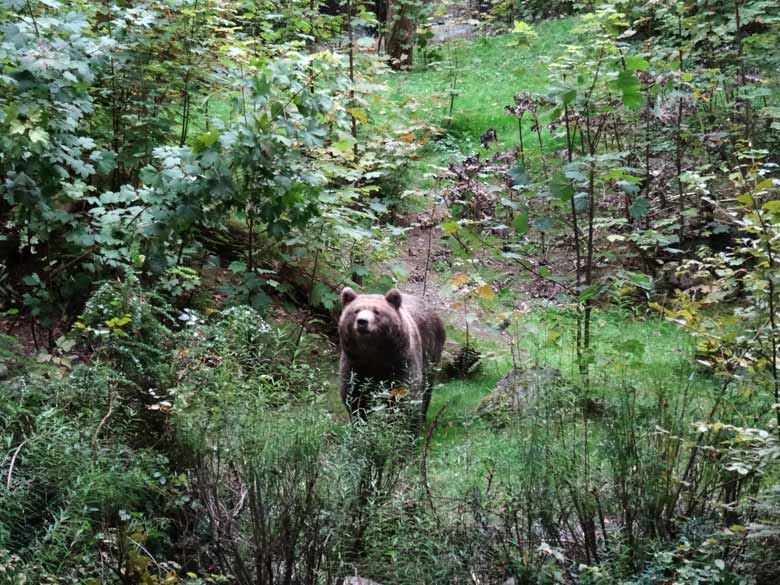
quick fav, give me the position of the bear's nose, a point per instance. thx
(362, 324)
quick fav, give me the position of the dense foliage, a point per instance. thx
(184, 186)
(111, 157)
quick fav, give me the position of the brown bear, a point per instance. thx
(386, 339)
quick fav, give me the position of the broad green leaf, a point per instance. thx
(519, 176)
(643, 281)
(16, 127)
(449, 227)
(204, 141)
(544, 223)
(106, 161)
(561, 187)
(637, 63)
(629, 187)
(639, 208)
(567, 96)
(39, 135)
(342, 145)
(323, 296)
(32, 279)
(260, 301)
(520, 223)
(745, 199)
(629, 86)
(359, 114)
(589, 293)
(772, 206)
(262, 85)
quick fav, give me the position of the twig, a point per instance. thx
(32, 17)
(73, 261)
(528, 268)
(427, 260)
(771, 299)
(312, 277)
(103, 421)
(694, 452)
(13, 462)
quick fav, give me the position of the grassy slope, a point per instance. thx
(490, 71)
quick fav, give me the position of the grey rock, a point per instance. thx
(516, 392)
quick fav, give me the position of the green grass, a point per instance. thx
(630, 352)
(645, 355)
(634, 355)
(490, 71)
(658, 366)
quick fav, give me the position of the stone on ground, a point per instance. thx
(516, 392)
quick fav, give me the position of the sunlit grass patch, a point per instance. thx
(488, 72)
(642, 376)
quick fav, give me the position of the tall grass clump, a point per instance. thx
(73, 475)
(285, 493)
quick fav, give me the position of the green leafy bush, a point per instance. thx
(130, 328)
(72, 473)
(239, 356)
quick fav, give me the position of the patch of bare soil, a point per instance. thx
(30, 339)
(425, 248)
(460, 21)
(422, 250)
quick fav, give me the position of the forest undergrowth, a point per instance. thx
(588, 193)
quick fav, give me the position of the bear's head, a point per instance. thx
(371, 320)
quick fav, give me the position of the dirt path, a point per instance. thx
(422, 249)
(458, 22)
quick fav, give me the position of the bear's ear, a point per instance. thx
(347, 296)
(393, 297)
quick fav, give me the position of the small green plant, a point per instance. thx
(130, 328)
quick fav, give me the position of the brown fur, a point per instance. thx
(402, 342)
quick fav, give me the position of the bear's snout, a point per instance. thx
(363, 321)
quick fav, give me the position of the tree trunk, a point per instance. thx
(400, 34)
